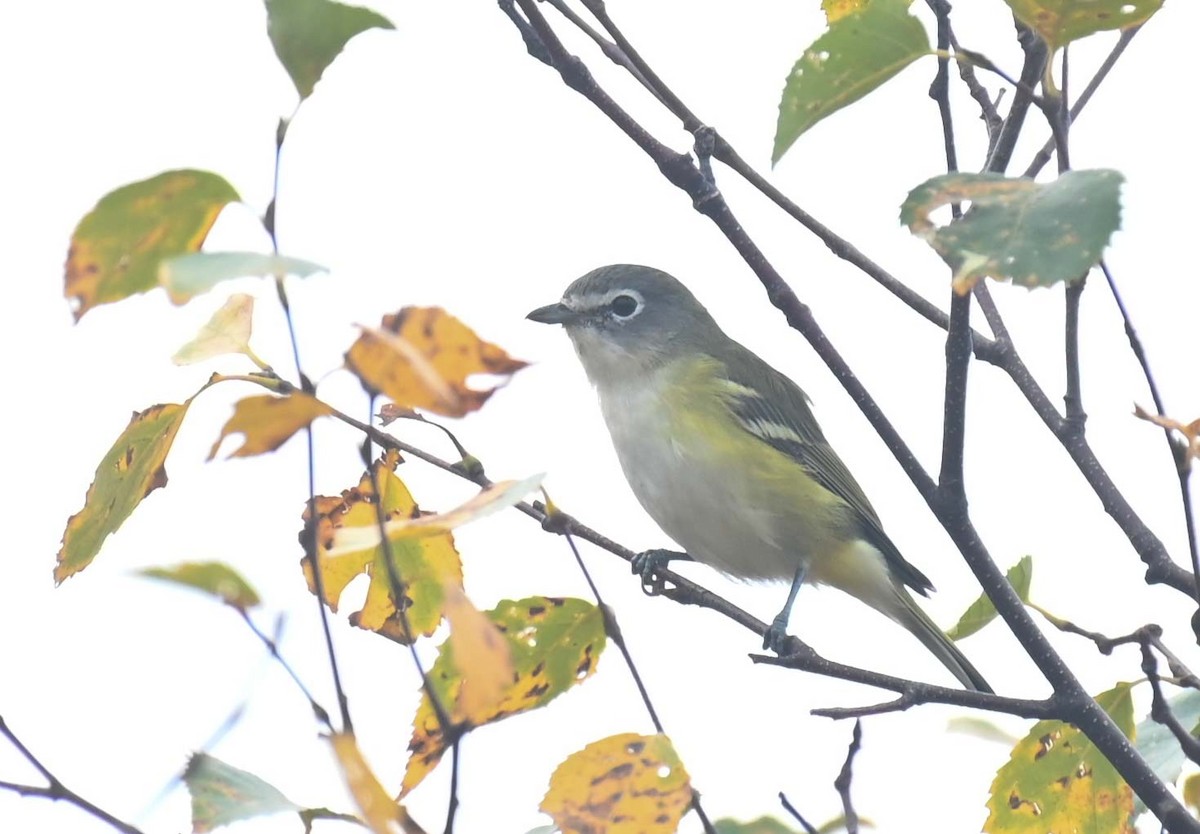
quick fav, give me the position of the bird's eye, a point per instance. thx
(623, 306)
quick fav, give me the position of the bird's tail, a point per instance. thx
(917, 621)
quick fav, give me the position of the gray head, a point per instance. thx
(627, 319)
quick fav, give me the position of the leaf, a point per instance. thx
(1190, 431)
(1056, 780)
(267, 422)
(859, 52)
(835, 10)
(492, 499)
(380, 812)
(425, 564)
(131, 470)
(1158, 745)
(116, 249)
(1036, 234)
(480, 648)
(981, 611)
(309, 34)
(214, 578)
(186, 276)
(1061, 21)
(228, 331)
(222, 794)
(638, 780)
(1191, 791)
(554, 645)
(421, 357)
(762, 825)
(980, 728)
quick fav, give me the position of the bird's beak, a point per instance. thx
(553, 314)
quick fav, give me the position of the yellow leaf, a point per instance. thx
(1057, 781)
(425, 565)
(498, 496)
(1190, 431)
(381, 813)
(228, 331)
(835, 10)
(267, 421)
(421, 357)
(481, 649)
(131, 470)
(554, 645)
(627, 783)
(1191, 791)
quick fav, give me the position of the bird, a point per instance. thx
(724, 453)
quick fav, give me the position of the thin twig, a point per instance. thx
(844, 777)
(272, 647)
(796, 815)
(54, 788)
(1161, 711)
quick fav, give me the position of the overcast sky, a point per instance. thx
(439, 164)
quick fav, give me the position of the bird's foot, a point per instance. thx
(648, 563)
(776, 636)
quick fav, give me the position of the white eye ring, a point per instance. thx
(625, 305)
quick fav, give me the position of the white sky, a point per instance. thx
(438, 164)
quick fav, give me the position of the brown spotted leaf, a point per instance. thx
(422, 357)
(117, 248)
(131, 470)
(1056, 779)
(266, 422)
(1061, 21)
(554, 644)
(480, 647)
(425, 565)
(626, 782)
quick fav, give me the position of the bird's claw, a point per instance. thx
(776, 636)
(647, 565)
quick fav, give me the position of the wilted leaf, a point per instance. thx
(1036, 234)
(223, 794)
(116, 249)
(425, 564)
(498, 496)
(214, 578)
(554, 644)
(636, 779)
(1056, 779)
(1158, 745)
(228, 331)
(131, 470)
(981, 611)
(1190, 431)
(481, 649)
(186, 276)
(1061, 21)
(382, 814)
(421, 357)
(267, 421)
(309, 34)
(858, 53)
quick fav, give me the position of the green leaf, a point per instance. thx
(187, 276)
(1158, 745)
(222, 794)
(1056, 779)
(858, 53)
(981, 728)
(214, 578)
(131, 470)
(1061, 21)
(1036, 234)
(309, 34)
(116, 249)
(981, 611)
(762, 825)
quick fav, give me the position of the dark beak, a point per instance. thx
(553, 314)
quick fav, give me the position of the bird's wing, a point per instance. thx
(780, 416)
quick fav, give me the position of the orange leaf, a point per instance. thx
(421, 357)
(1190, 431)
(267, 421)
(623, 783)
(380, 812)
(481, 649)
(425, 565)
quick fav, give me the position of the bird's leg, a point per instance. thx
(648, 562)
(776, 633)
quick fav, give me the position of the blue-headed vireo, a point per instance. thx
(724, 454)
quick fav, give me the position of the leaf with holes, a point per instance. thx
(1061, 21)
(859, 52)
(117, 248)
(554, 644)
(636, 779)
(1036, 234)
